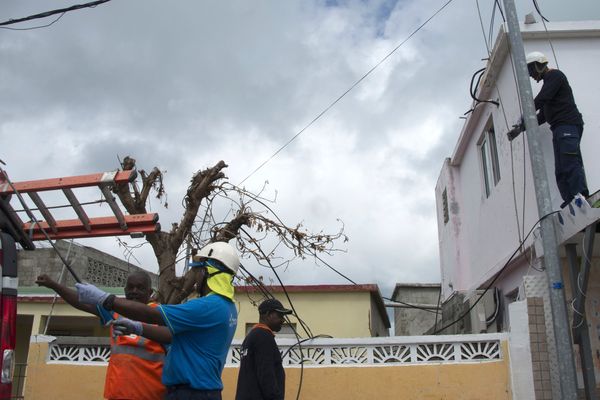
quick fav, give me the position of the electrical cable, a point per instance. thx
(354, 283)
(500, 9)
(306, 329)
(66, 205)
(60, 278)
(34, 27)
(580, 289)
(497, 275)
(408, 305)
(491, 319)
(473, 90)
(544, 20)
(502, 108)
(492, 19)
(514, 190)
(53, 12)
(438, 308)
(537, 8)
(347, 91)
(334, 269)
(305, 340)
(487, 45)
(514, 74)
(269, 295)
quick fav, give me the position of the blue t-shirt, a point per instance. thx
(202, 331)
(105, 315)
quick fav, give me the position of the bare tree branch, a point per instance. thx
(204, 192)
(151, 181)
(200, 188)
(232, 228)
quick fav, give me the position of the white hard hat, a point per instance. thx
(536, 56)
(222, 252)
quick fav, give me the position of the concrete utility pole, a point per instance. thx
(560, 320)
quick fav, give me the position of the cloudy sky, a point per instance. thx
(181, 85)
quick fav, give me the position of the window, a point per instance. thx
(489, 158)
(445, 206)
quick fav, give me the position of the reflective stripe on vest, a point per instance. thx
(138, 352)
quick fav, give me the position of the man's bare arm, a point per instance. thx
(69, 295)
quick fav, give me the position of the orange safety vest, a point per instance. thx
(135, 368)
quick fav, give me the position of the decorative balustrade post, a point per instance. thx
(457, 352)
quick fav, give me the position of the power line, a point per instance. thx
(52, 12)
(266, 293)
(347, 91)
(544, 20)
(34, 27)
(488, 43)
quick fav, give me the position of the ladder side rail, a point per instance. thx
(69, 182)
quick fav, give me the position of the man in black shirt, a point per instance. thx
(556, 105)
(261, 375)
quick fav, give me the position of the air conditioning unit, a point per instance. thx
(485, 312)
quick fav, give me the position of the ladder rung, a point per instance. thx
(113, 206)
(78, 209)
(39, 203)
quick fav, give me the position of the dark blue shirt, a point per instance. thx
(555, 101)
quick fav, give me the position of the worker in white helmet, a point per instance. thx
(556, 106)
(200, 331)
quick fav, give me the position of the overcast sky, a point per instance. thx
(183, 84)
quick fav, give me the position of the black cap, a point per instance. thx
(272, 305)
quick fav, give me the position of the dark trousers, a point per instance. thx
(185, 392)
(568, 164)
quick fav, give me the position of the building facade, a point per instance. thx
(417, 309)
(490, 247)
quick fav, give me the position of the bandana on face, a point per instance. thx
(219, 280)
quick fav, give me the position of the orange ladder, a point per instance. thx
(82, 227)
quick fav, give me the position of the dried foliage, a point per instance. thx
(215, 210)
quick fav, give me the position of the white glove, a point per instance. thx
(125, 326)
(90, 294)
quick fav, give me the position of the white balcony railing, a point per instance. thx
(328, 352)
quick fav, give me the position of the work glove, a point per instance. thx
(516, 129)
(125, 326)
(90, 294)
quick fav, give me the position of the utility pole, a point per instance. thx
(560, 320)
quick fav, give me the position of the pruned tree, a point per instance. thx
(249, 220)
